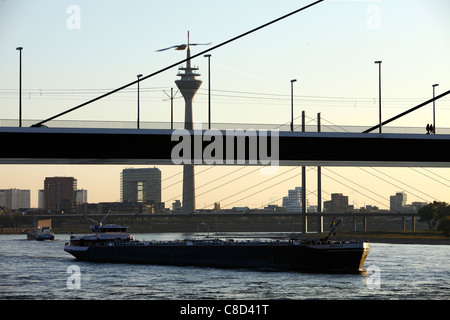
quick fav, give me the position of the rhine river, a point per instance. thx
(40, 270)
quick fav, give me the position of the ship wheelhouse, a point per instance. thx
(109, 228)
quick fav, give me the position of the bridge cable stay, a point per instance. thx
(436, 176)
(409, 186)
(221, 185)
(407, 111)
(308, 192)
(259, 191)
(424, 174)
(178, 63)
(358, 191)
(266, 188)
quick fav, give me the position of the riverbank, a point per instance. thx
(398, 237)
(395, 237)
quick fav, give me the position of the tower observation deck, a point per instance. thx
(188, 85)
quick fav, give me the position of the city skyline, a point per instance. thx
(330, 49)
(230, 191)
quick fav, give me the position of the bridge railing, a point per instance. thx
(94, 124)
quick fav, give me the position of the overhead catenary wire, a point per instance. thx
(221, 96)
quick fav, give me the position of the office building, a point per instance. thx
(14, 199)
(81, 196)
(398, 202)
(140, 185)
(41, 199)
(60, 194)
(293, 202)
(338, 203)
(176, 206)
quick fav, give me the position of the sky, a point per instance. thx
(76, 50)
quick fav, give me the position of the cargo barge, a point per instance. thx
(111, 243)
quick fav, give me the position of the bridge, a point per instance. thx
(28, 145)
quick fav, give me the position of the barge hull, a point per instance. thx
(283, 257)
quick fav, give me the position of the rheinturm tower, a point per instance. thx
(188, 85)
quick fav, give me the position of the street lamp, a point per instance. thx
(379, 90)
(20, 85)
(434, 114)
(138, 76)
(292, 104)
(209, 89)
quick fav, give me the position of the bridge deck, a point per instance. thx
(152, 146)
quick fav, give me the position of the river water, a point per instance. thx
(42, 270)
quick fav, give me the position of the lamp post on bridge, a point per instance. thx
(292, 104)
(20, 85)
(209, 89)
(138, 76)
(379, 91)
(434, 112)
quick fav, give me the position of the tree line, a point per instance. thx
(436, 214)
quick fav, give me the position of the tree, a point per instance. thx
(444, 226)
(428, 214)
(436, 214)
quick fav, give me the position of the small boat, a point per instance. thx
(43, 233)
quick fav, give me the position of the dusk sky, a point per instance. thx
(77, 50)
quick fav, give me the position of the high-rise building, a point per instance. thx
(140, 185)
(338, 203)
(293, 202)
(81, 196)
(41, 199)
(398, 202)
(15, 198)
(176, 206)
(60, 194)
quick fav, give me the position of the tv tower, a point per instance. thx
(188, 86)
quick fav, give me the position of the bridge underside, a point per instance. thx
(152, 147)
